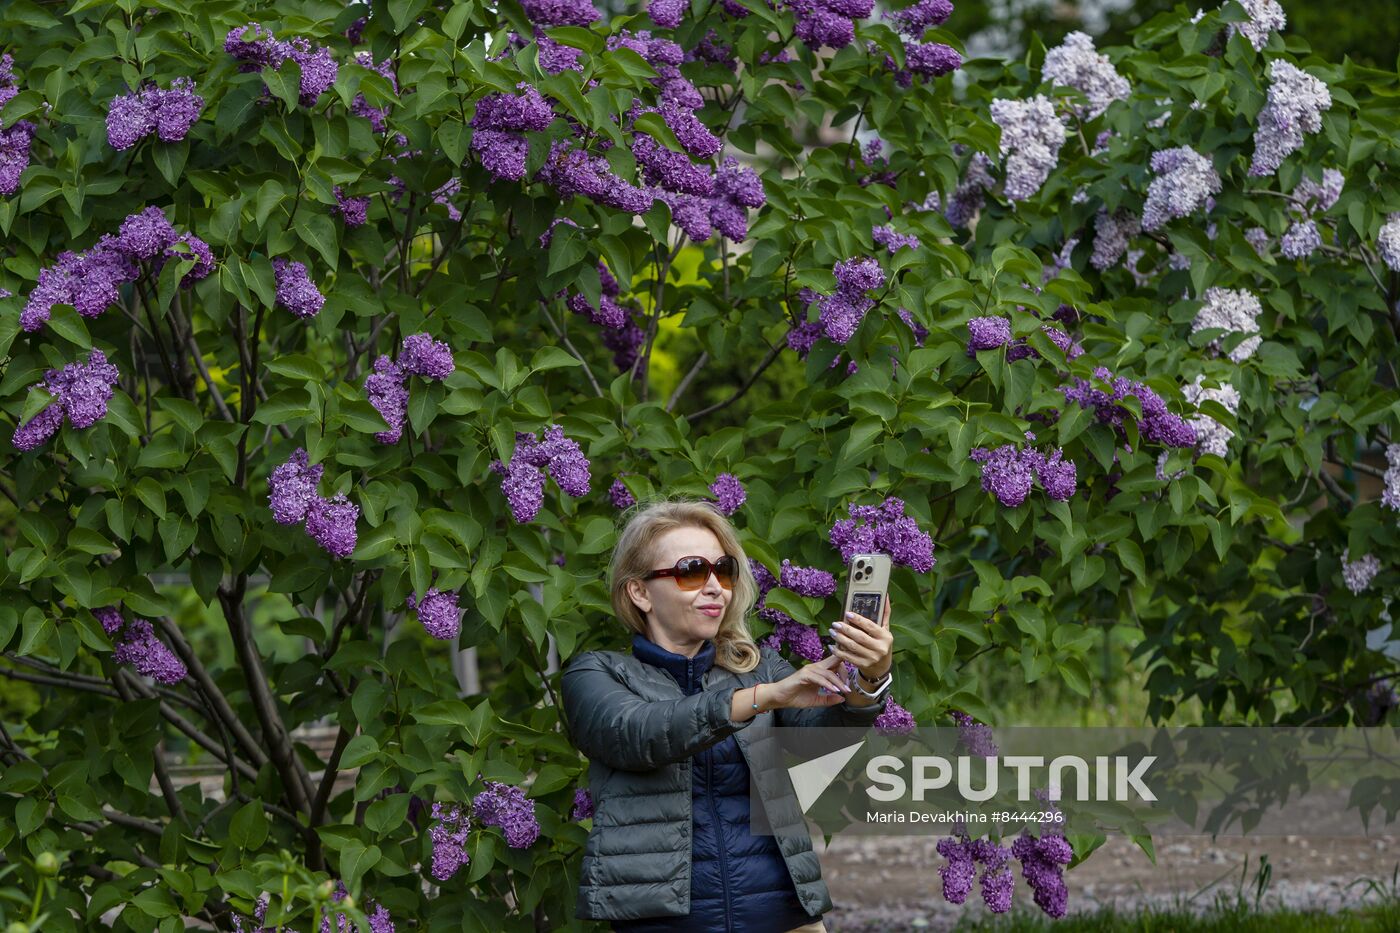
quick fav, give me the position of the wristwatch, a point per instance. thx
(882, 686)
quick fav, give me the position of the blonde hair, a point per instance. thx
(735, 648)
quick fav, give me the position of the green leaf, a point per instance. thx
(170, 160)
(248, 828)
(318, 232)
(1131, 557)
(361, 750)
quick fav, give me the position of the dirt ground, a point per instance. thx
(892, 883)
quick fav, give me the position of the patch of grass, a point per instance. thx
(1380, 919)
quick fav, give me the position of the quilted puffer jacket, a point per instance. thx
(671, 846)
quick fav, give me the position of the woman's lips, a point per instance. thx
(714, 613)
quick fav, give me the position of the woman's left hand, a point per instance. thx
(866, 644)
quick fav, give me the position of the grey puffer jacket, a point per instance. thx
(640, 732)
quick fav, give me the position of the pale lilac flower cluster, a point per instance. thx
(843, 310)
(80, 393)
(621, 496)
(1212, 437)
(971, 193)
(90, 281)
(523, 478)
(293, 497)
(884, 528)
(1388, 242)
(1157, 425)
(886, 236)
(1295, 104)
(1358, 574)
(1075, 63)
(1233, 310)
(1312, 197)
(1111, 235)
(1007, 473)
(256, 48)
(806, 581)
(1265, 16)
(975, 736)
(1185, 181)
(508, 809)
(137, 645)
(1042, 862)
(167, 113)
(1031, 136)
(728, 492)
(353, 210)
(1258, 238)
(439, 613)
(449, 838)
(894, 719)
(498, 125)
(15, 141)
(802, 640)
(1390, 496)
(583, 805)
(295, 290)
(1301, 240)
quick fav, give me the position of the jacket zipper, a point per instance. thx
(714, 821)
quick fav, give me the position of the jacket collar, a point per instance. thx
(644, 649)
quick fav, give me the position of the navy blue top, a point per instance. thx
(739, 882)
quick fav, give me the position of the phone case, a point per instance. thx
(867, 586)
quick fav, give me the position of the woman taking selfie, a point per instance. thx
(675, 730)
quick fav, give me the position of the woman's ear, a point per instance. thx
(640, 598)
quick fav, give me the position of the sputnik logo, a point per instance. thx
(811, 778)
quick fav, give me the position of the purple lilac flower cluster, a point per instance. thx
(15, 141)
(439, 613)
(572, 171)
(387, 384)
(913, 21)
(620, 496)
(167, 113)
(1185, 181)
(1358, 574)
(1301, 240)
(523, 478)
(665, 57)
(667, 13)
(583, 805)
(894, 720)
(1031, 136)
(255, 47)
(137, 645)
(990, 333)
(448, 835)
(1265, 16)
(806, 581)
(1295, 103)
(1157, 425)
(1075, 63)
(1111, 235)
(1042, 861)
(1007, 473)
(920, 331)
(379, 919)
(829, 23)
(963, 855)
(90, 281)
(892, 240)
(1233, 310)
(256, 923)
(728, 492)
(498, 127)
(884, 528)
(378, 117)
(295, 290)
(609, 313)
(733, 189)
(842, 311)
(926, 60)
(508, 809)
(80, 393)
(802, 640)
(353, 210)
(975, 736)
(293, 497)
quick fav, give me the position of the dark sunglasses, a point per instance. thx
(691, 573)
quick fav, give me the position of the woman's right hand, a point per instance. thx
(800, 690)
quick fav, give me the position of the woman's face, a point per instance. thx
(678, 616)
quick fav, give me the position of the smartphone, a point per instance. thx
(867, 586)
